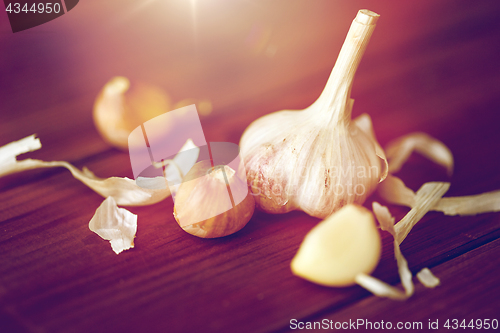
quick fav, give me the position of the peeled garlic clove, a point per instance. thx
(339, 248)
(205, 202)
(117, 111)
(317, 160)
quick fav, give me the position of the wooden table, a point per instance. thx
(431, 66)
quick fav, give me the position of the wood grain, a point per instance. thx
(431, 66)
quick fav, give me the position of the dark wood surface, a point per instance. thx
(431, 66)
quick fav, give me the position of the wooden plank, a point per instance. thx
(437, 74)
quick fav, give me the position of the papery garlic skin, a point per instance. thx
(316, 159)
(117, 225)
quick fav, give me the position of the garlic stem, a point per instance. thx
(338, 88)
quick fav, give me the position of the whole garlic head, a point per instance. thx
(317, 160)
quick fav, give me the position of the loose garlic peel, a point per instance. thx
(394, 191)
(109, 222)
(339, 248)
(426, 197)
(115, 224)
(399, 150)
(123, 190)
(204, 203)
(428, 279)
(317, 160)
(386, 222)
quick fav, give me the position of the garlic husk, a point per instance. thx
(393, 190)
(117, 225)
(386, 222)
(399, 150)
(212, 201)
(428, 279)
(317, 160)
(425, 198)
(124, 190)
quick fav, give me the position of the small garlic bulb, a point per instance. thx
(317, 160)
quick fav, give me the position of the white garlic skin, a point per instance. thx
(295, 160)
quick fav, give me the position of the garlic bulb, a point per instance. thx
(317, 160)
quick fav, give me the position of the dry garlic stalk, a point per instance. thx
(317, 160)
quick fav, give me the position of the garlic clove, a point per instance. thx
(317, 160)
(119, 109)
(339, 248)
(205, 203)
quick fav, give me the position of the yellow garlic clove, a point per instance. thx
(342, 246)
(204, 204)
